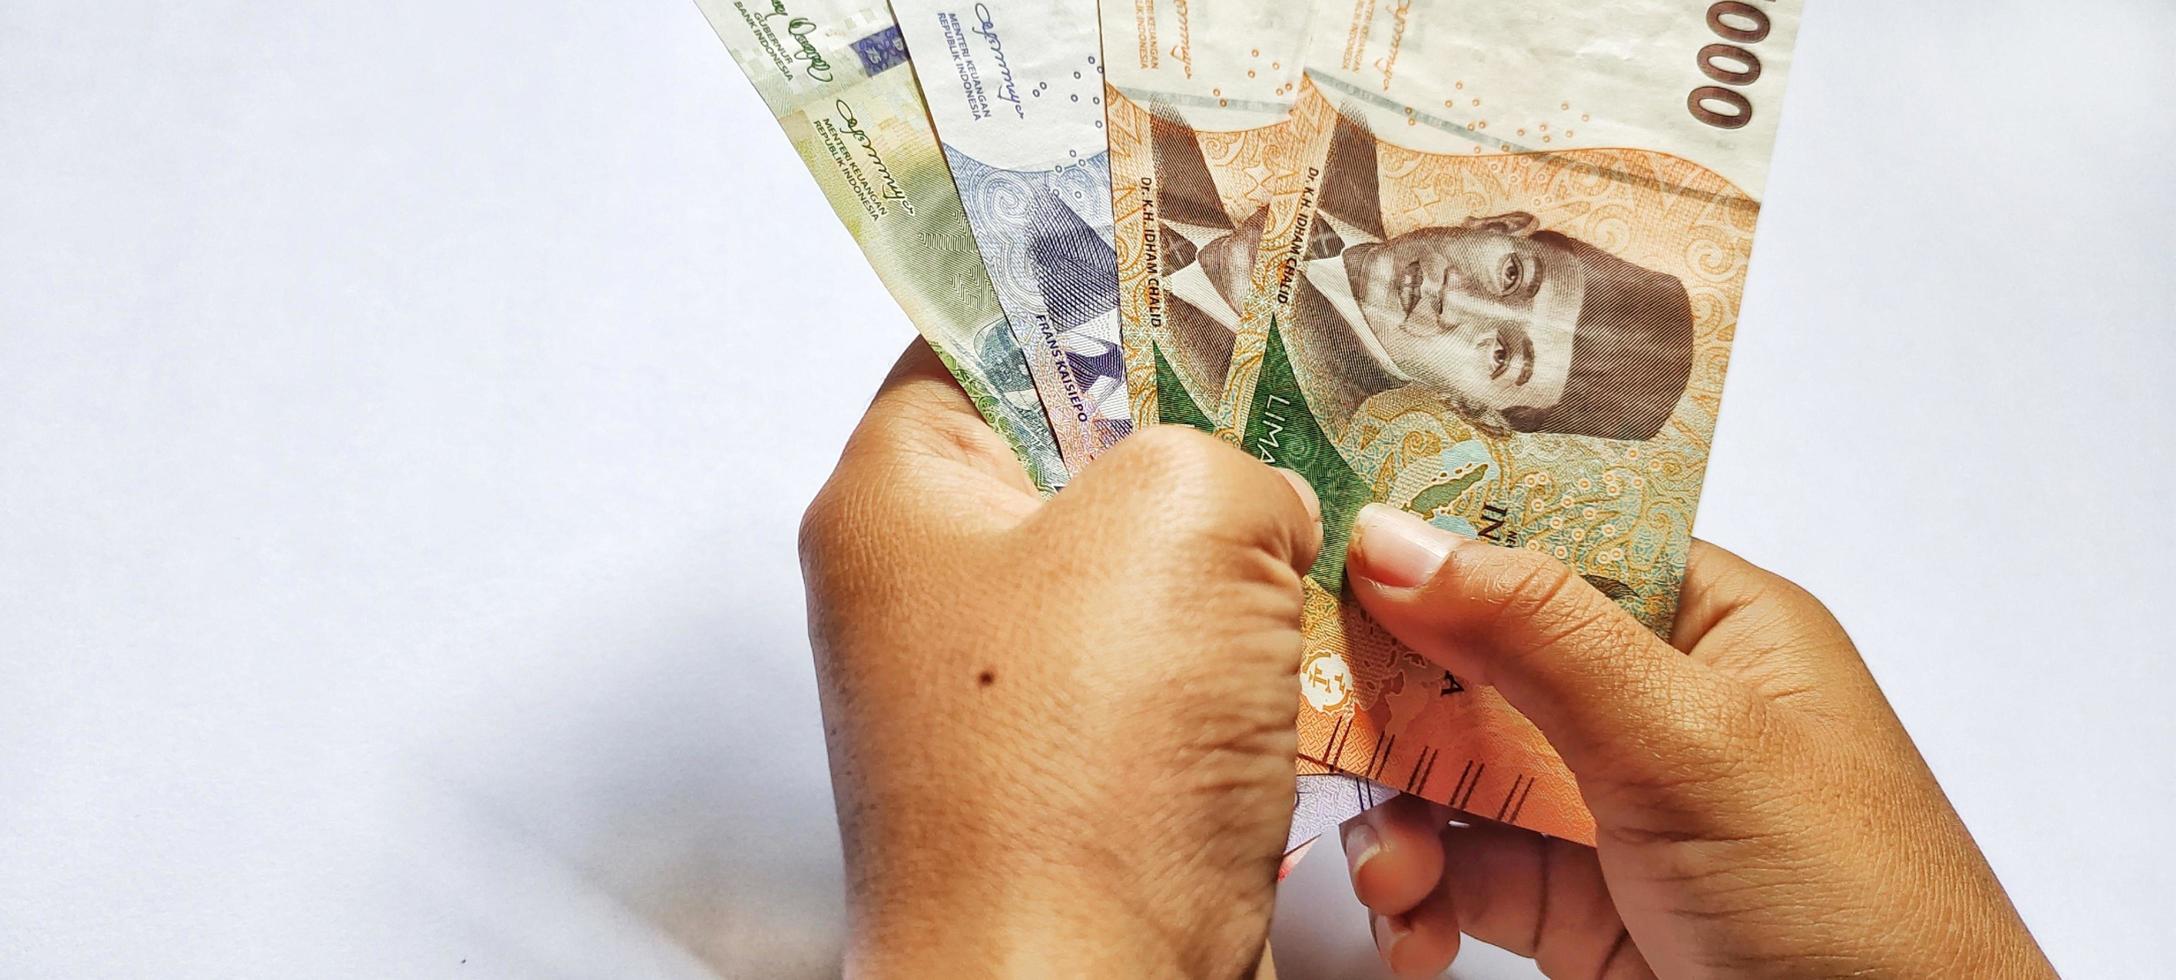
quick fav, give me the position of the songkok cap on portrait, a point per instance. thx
(1631, 357)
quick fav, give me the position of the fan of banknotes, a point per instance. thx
(1478, 259)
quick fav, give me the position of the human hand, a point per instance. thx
(1060, 731)
(1758, 807)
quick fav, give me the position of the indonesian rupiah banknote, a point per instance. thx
(1199, 94)
(835, 73)
(1325, 798)
(1016, 90)
(1503, 298)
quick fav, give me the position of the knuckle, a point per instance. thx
(1757, 590)
(907, 422)
(1529, 590)
(1163, 469)
(1533, 582)
(1789, 617)
(1723, 730)
(821, 523)
(1802, 605)
(1172, 450)
(834, 527)
(1720, 742)
(1200, 484)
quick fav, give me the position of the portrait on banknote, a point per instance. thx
(1198, 150)
(1204, 255)
(1514, 327)
(1521, 345)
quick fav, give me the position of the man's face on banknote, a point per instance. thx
(1482, 312)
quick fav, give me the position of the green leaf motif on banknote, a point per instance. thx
(1503, 297)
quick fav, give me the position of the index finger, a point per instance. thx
(1761, 629)
(921, 417)
(920, 468)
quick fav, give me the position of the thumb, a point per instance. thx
(1170, 485)
(1620, 706)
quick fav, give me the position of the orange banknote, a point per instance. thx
(1502, 297)
(1198, 97)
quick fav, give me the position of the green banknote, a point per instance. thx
(836, 74)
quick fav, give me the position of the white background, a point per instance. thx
(405, 408)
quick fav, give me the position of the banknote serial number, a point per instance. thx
(1732, 62)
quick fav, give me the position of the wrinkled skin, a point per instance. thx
(1061, 735)
(1760, 811)
(1061, 732)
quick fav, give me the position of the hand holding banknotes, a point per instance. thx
(1468, 274)
(1017, 801)
(1060, 731)
(1759, 810)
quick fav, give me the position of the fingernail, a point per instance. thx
(1397, 549)
(1362, 843)
(1388, 933)
(1306, 492)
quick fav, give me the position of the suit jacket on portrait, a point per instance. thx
(1335, 371)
